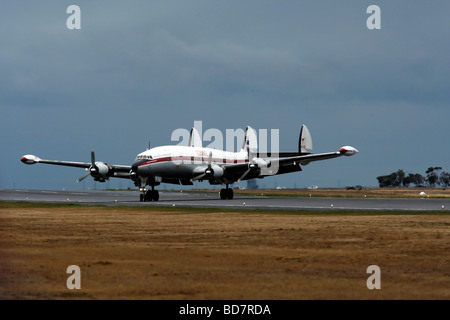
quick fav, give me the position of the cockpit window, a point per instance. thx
(142, 157)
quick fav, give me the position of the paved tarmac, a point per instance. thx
(212, 200)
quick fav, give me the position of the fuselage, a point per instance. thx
(183, 162)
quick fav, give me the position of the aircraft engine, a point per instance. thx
(254, 165)
(212, 171)
(98, 170)
(215, 171)
(261, 163)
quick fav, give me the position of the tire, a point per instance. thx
(226, 194)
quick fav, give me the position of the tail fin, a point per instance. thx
(305, 141)
(194, 138)
(250, 140)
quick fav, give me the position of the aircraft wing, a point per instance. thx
(305, 159)
(280, 165)
(100, 171)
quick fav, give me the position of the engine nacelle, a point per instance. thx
(102, 168)
(261, 163)
(215, 171)
(100, 171)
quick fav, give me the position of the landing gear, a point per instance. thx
(226, 193)
(149, 195)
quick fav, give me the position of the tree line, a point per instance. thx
(434, 177)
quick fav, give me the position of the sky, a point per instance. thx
(138, 70)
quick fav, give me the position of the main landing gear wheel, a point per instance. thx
(226, 194)
(150, 195)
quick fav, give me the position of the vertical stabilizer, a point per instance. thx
(194, 139)
(250, 140)
(305, 141)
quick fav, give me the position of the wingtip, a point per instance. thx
(30, 159)
(348, 151)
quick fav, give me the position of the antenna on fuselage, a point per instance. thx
(148, 145)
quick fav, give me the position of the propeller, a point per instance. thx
(83, 177)
(93, 157)
(208, 171)
(251, 166)
(94, 170)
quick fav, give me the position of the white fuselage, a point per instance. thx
(184, 162)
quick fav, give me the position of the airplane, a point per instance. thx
(183, 165)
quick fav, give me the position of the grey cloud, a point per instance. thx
(140, 69)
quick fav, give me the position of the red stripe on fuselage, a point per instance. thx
(194, 159)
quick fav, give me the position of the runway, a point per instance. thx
(240, 201)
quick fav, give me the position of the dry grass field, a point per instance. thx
(132, 253)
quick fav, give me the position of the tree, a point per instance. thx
(444, 179)
(383, 181)
(433, 176)
(407, 180)
(395, 179)
(417, 179)
(400, 177)
(386, 181)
